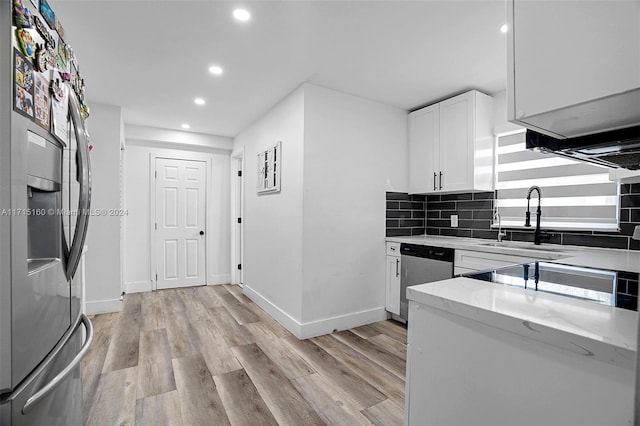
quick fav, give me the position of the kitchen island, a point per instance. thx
(489, 354)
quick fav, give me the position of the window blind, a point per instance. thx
(575, 195)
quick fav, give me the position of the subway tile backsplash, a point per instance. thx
(417, 214)
(405, 214)
(474, 210)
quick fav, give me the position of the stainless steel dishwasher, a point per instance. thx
(422, 264)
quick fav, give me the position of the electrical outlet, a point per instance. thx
(454, 220)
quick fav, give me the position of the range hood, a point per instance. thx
(615, 148)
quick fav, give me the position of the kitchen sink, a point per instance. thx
(523, 246)
(517, 248)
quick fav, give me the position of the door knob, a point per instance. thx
(201, 232)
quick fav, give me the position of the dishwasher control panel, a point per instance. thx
(428, 252)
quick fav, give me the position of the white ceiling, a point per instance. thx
(152, 57)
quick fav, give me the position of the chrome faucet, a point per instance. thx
(537, 234)
(496, 216)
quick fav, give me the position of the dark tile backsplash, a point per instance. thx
(627, 294)
(405, 214)
(475, 213)
(474, 210)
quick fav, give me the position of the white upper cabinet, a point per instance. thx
(451, 145)
(424, 148)
(573, 66)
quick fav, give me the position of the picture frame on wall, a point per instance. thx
(269, 166)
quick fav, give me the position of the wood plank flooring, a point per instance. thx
(210, 356)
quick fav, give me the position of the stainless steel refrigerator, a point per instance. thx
(45, 193)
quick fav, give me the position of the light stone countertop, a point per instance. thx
(613, 259)
(586, 328)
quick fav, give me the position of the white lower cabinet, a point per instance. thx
(393, 278)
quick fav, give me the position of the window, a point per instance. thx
(575, 195)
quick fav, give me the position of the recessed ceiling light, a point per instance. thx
(504, 28)
(185, 126)
(199, 101)
(241, 14)
(215, 70)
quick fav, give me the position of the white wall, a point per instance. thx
(137, 233)
(355, 150)
(192, 139)
(272, 264)
(143, 143)
(314, 253)
(103, 278)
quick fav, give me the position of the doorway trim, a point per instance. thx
(208, 160)
(237, 211)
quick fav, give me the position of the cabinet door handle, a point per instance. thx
(397, 268)
(440, 180)
(434, 180)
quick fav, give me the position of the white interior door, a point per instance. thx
(180, 223)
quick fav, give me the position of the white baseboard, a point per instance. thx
(342, 322)
(286, 320)
(219, 279)
(144, 286)
(318, 327)
(138, 287)
(103, 306)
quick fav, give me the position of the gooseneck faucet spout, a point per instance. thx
(501, 235)
(527, 222)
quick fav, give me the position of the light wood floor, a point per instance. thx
(210, 356)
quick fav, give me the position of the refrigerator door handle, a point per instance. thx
(84, 204)
(45, 390)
